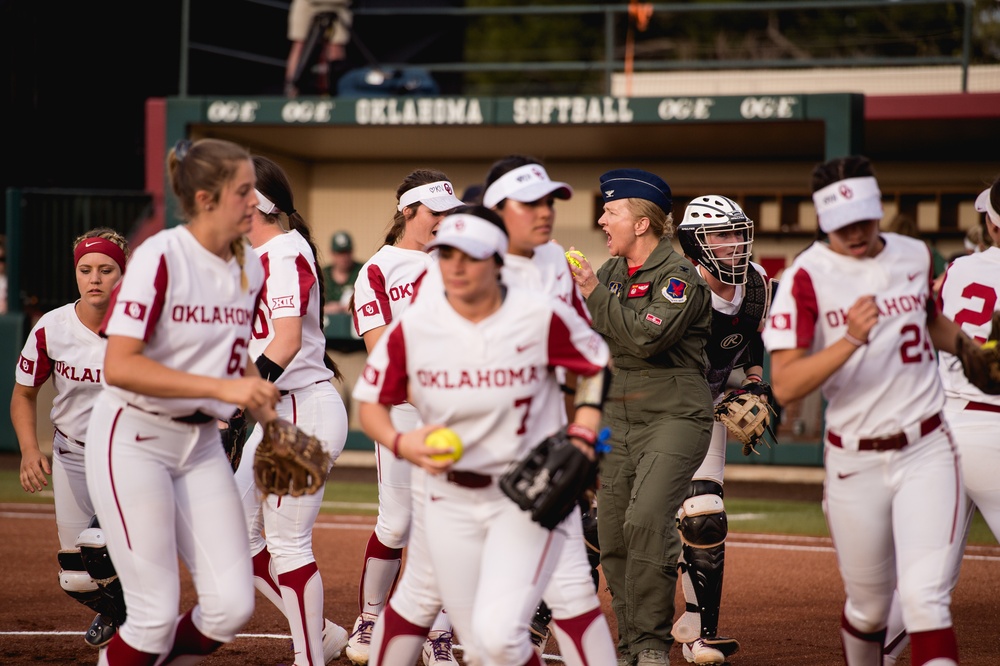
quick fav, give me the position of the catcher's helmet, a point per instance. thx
(713, 214)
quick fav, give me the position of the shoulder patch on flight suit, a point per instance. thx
(615, 287)
(675, 291)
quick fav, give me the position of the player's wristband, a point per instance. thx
(853, 340)
(582, 433)
(395, 445)
(268, 369)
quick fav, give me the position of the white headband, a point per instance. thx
(848, 201)
(525, 184)
(265, 205)
(472, 235)
(984, 205)
(439, 197)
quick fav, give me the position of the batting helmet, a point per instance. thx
(713, 214)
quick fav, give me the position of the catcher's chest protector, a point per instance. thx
(731, 333)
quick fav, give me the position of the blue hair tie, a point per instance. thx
(181, 149)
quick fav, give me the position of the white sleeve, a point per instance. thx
(137, 304)
(289, 280)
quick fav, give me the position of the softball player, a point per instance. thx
(854, 316)
(718, 237)
(65, 345)
(178, 329)
(518, 188)
(495, 390)
(571, 597)
(385, 288)
(969, 296)
(289, 349)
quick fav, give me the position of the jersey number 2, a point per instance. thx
(988, 296)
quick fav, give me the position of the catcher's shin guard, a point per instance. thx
(97, 563)
(76, 582)
(703, 527)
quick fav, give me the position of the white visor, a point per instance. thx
(264, 204)
(984, 205)
(472, 235)
(848, 201)
(439, 197)
(525, 184)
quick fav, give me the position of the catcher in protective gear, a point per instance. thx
(550, 481)
(746, 412)
(289, 462)
(981, 363)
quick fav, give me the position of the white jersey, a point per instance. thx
(483, 379)
(892, 381)
(969, 296)
(386, 285)
(62, 347)
(291, 289)
(188, 306)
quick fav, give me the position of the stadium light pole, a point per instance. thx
(185, 18)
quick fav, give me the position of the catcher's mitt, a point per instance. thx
(746, 413)
(981, 364)
(289, 462)
(234, 436)
(550, 480)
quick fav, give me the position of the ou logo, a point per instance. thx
(731, 341)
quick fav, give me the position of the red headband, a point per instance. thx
(102, 245)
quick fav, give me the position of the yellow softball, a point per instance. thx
(989, 344)
(572, 255)
(445, 438)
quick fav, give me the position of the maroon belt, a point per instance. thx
(469, 479)
(889, 442)
(982, 407)
(70, 439)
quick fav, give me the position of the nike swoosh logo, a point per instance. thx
(841, 475)
(560, 276)
(913, 276)
(521, 348)
(89, 243)
(435, 498)
(140, 438)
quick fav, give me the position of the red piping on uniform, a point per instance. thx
(393, 390)
(958, 486)
(297, 581)
(111, 475)
(295, 411)
(43, 364)
(576, 628)
(306, 281)
(541, 560)
(160, 286)
(805, 296)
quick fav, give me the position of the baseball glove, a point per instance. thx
(981, 364)
(746, 413)
(550, 480)
(289, 462)
(234, 436)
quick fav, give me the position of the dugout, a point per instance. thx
(347, 155)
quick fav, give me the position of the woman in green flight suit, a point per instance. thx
(654, 311)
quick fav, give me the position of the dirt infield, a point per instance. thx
(782, 597)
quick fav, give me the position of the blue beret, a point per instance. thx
(638, 184)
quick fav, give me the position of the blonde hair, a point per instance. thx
(206, 164)
(661, 224)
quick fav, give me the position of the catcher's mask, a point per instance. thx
(713, 214)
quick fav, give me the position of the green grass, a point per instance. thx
(800, 518)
